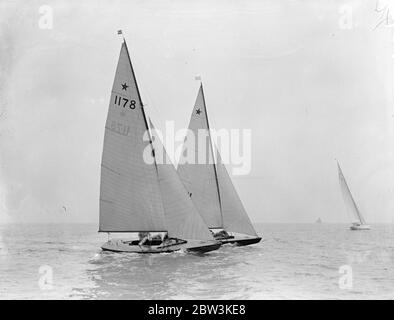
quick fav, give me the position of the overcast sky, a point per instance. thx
(313, 82)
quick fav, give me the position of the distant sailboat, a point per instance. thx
(210, 185)
(318, 220)
(350, 204)
(140, 197)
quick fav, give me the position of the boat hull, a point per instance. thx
(247, 242)
(360, 227)
(240, 241)
(205, 248)
(189, 246)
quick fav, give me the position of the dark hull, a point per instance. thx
(246, 242)
(241, 242)
(204, 249)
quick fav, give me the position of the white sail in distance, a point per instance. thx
(209, 184)
(130, 197)
(182, 218)
(350, 204)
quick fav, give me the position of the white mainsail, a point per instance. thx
(200, 178)
(209, 184)
(350, 204)
(182, 218)
(130, 197)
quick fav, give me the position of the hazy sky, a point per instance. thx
(312, 81)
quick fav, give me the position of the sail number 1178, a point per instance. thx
(124, 102)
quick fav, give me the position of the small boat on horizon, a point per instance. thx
(351, 206)
(210, 186)
(140, 197)
(319, 220)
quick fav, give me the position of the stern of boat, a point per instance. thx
(203, 246)
(246, 242)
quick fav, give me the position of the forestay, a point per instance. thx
(235, 218)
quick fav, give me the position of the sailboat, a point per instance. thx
(351, 206)
(140, 196)
(319, 220)
(210, 186)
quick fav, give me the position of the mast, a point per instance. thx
(140, 99)
(144, 114)
(214, 162)
(201, 179)
(135, 78)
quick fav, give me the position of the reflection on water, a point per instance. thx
(294, 261)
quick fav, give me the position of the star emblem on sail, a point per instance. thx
(213, 191)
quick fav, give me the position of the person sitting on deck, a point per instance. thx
(143, 237)
(166, 240)
(156, 239)
(222, 234)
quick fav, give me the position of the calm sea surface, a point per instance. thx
(296, 261)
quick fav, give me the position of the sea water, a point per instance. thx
(295, 261)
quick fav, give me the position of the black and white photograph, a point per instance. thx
(221, 150)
